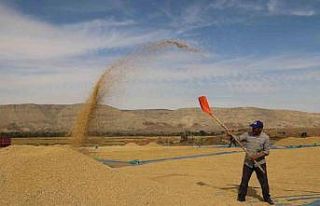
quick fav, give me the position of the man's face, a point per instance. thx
(256, 131)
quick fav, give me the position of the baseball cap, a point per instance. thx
(257, 124)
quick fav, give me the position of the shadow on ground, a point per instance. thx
(304, 197)
(252, 191)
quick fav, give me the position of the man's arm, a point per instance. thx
(258, 155)
(240, 138)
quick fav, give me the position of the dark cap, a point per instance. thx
(257, 124)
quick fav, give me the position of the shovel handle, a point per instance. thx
(237, 140)
(246, 151)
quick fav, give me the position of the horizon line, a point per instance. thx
(170, 109)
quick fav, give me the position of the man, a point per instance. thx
(258, 145)
(232, 141)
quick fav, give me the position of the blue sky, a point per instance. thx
(254, 53)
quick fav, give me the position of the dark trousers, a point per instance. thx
(263, 180)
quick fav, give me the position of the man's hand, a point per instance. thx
(257, 155)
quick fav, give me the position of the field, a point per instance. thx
(123, 140)
(153, 175)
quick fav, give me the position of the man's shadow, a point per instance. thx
(252, 191)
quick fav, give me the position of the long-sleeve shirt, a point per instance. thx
(255, 144)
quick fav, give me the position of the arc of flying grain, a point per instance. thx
(108, 79)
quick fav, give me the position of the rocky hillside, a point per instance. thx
(33, 118)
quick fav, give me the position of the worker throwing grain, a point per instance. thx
(258, 145)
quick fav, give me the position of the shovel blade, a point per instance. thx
(204, 105)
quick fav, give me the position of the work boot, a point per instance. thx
(270, 201)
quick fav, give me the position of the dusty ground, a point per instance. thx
(131, 152)
(292, 173)
(58, 175)
(298, 141)
(106, 141)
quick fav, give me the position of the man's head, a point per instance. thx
(257, 127)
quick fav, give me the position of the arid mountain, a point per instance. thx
(31, 118)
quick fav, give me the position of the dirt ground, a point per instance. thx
(59, 175)
(298, 141)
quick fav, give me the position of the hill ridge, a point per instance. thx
(108, 119)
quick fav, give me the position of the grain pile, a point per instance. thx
(293, 176)
(150, 152)
(153, 144)
(58, 175)
(294, 141)
(61, 176)
(131, 144)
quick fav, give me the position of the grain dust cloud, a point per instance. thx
(111, 78)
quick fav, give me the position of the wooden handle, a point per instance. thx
(236, 138)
